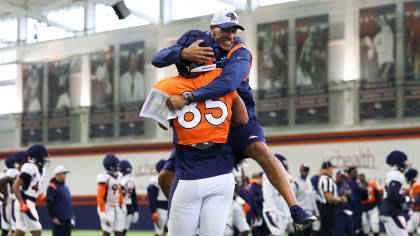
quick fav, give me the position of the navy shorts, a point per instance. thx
(239, 139)
(242, 137)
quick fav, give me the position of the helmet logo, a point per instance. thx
(232, 16)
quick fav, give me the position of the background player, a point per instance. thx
(414, 192)
(275, 210)
(27, 189)
(6, 184)
(111, 208)
(130, 196)
(158, 203)
(391, 208)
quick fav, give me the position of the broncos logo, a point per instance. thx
(232, 16)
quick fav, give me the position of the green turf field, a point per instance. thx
(98, 233)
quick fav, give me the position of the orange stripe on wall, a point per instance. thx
(88, 200)
(332, 137)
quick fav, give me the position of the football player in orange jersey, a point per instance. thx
(202, 191)
(414, 192)
(370, 215)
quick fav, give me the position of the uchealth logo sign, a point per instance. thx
(363, 158)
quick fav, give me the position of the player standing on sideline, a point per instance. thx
(359, 194)
(20, 158)
(343, 216)
(111, 208)
(327, 190)
(276, 213)
(158, 203)
(6, 184)
(391, 207)
(370, 216)
(248, 140)
(130, 196)
(414, 192)
(27, 190)
(59, 203)
(305, 195)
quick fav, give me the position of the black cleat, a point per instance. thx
(301, 219)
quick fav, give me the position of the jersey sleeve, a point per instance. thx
(167, 56)
(102, 188)
(29, 168)
(152, 193)
(101, 178)
(12, 173)
(121, 196)
(234, 72)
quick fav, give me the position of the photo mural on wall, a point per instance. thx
(272, 106)
(59, 102)
(312, 36)
(32, 117)
(412, 59)
(377, 62)
(102, 94)
(132, 88)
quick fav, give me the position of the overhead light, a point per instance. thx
(121, 10)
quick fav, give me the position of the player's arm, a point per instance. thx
(51, 195)
(23, 180)
(393, 193)
(234, 72)
(239, 113)
(121, 196)
(3, 186)
(134, 200)
(152, 192)
(100, 196)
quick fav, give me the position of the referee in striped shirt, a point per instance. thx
(327, 190)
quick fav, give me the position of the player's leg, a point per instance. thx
(395, 226)
(275, 172)
(217, 203)
(184, 205)
(165, 179)
(413, 222)
(119, 222)
(166, 176)
(374, 220)
(239, 219)
(162, 222)
(365, 223)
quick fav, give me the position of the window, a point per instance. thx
(8, 88)
(146, 7)
(72, 17)
(272, 2)
(106, 19)
(182, 9)
(40, 31)
(8, 32)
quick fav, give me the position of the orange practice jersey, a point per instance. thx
(415, 189)
(371, 193)
(206, 121)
